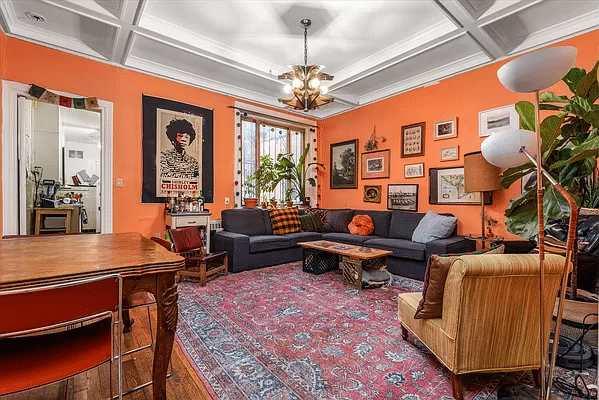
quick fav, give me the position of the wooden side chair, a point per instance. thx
(188, 243)
(38, 346)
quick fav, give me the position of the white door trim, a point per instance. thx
(10, 185)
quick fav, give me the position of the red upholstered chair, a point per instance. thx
(188, 243)
(55, 353)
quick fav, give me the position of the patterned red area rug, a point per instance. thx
(280, 333)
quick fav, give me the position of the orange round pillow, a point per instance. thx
(361, 225)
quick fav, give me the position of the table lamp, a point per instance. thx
(480, 176)
(530, 73)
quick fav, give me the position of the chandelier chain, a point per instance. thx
(305, 45)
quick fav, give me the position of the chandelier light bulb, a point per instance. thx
(314, 83)
(287, 88)
(296, 82)
(324, 90)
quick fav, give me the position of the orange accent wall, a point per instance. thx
(26, 62)
(460, 97)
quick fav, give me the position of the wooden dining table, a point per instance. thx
(144, 265)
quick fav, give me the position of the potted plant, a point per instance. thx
(570, 149)
(296, 173)
(249, 194)
(265, 179)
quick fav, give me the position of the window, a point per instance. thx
(266, 139)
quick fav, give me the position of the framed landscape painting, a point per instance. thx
(343, 165)
(375, 164)
(498, 120)
(402, 197)
(446, 186)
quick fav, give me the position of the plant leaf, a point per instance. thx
(573, 77)
(552, 107)
(552, 98)
(587, 86)
(551, 129)
(592, 118)
(526, 110)
(589, 148)
(511, 175)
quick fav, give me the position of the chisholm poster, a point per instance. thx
(178, 153)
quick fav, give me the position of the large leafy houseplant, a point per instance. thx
(296, 173)
(265, 178)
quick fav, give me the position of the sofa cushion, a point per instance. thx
(403, 223)
(297, 237)
(285, 220)
(319, 212)
(260, 243)
(247, 221)
(338, 220)
(381, 220)
(433, 226)
(346, 238)
(361, 225)
(437, 268)
(310, 223)
(400, 247)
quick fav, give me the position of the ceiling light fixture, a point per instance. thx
(305, 81)
(34, 16)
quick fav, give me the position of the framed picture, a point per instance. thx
(375, 164)
(343, 165)
(413, 170)
(450, 153)
(412, 140)
(372, 193)
(402, 197)
(498, 120)
(177, 150)
(446, 129)
(447, 187)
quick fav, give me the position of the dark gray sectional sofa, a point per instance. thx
(248, 238)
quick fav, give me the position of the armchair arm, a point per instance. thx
(450, 245)
(237, 246)
(206, 257)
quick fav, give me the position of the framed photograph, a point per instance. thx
(412, 140)
(498, 120)
(372, 193)
(446, 129)
(177, 150)
(343, 165)
(450, 153)
(402, 197)
(447, 187)
(375, 164)
(413, 170)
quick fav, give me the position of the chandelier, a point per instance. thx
(305, 87)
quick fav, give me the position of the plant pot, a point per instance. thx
(273, 203)
(250, 202)
(288, 203)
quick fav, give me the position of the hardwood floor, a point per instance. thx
(184, 384)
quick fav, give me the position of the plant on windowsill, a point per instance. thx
(296, 173)
(569, 152)
(264, 180)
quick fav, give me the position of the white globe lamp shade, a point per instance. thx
(296, 82)
(502, 149)
(314, 83)
(287, 88)
(537, 70)
(324, 90)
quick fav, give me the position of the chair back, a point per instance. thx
(186, 239)
(164, 243)
(28, 310)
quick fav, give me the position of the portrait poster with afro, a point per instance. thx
(177, 148)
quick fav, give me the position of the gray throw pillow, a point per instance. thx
(433, 226)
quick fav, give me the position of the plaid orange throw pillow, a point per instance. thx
(285, 221)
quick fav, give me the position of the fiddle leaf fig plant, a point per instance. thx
(570, 147)
(296, 173)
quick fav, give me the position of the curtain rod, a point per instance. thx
(273, 117)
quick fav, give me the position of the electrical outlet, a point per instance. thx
(119, 182)
(227, 200)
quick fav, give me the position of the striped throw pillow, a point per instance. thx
(310, 223)
(319, 212)
(285, 221)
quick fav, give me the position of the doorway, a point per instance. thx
(72, 150)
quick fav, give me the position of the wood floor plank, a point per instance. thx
(184, 383)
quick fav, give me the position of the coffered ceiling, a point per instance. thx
(375, 49)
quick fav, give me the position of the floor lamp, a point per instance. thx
(529, 74)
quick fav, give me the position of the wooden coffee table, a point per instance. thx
(322, 256)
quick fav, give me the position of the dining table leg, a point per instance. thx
(167, 312)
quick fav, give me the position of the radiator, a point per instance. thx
(216, 225)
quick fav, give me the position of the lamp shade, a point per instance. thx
(502, 149)
(537, 70)
(479, 174)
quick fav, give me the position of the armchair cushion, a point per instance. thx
(437, 268)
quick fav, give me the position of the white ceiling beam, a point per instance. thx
(129, 18)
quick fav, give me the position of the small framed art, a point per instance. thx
(413, 170)
(375, 164)
(450, 153)
(412, 140)
(498, 120)
(446, 186)
(372, 193)
(343, 165)
(446, 129)
(402, 197)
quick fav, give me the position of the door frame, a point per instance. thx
(10, 163)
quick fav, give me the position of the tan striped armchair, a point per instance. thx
(490, 319)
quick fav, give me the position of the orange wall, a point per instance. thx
(460, 97)
(30, 63)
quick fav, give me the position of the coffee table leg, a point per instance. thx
(352, 271)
